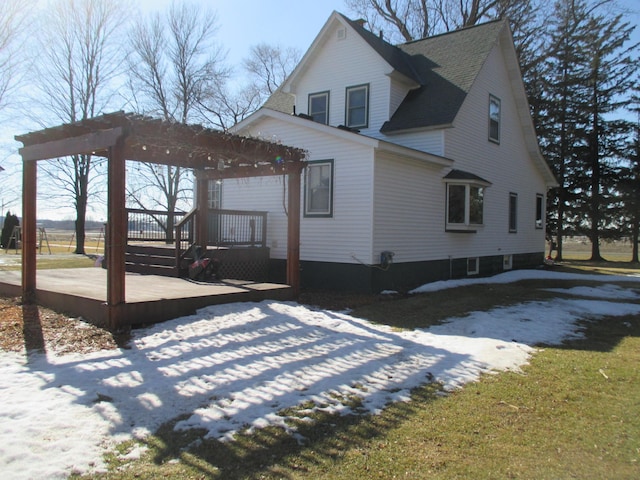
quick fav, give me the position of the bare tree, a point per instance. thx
(174, 64)
(415, 19)
(13, 21)
(269, 66)
(79, 58)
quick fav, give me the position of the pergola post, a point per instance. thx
(29, 238)
(116, 235)
(293, 229)
(202, 215)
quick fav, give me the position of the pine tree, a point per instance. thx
(588, 76)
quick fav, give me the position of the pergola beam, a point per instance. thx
(82, 144)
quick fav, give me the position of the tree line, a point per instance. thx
(579, 67)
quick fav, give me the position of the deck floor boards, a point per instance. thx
(149, 297)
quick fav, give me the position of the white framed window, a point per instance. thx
(513, 212)
(473, 266)
(214, 195)
(539, 210)
(319, 107)
(357, 106)
(507, 262)
(318, 189)
(494, 119)
(465, 206)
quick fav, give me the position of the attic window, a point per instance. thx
(319, 107)
(341, 34)
(357, 107)
(494, 119)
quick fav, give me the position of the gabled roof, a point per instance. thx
(394, 56)
(442, 68)
(448, 64)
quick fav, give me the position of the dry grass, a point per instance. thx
(25, 328)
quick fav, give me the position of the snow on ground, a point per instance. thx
(238, 365)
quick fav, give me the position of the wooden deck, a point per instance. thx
(149, 298)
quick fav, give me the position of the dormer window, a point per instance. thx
(494, 119)
(319, 107)
(357, 107)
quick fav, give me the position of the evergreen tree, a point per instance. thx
(628, 176)
(588, 76)
(611, 76)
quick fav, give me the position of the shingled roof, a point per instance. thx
(448, 64)
(445, 66)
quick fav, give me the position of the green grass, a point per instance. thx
(571, 413)
(43, 262)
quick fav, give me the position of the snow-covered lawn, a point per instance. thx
(234, 366)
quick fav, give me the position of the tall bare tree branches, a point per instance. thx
(13, 22)
(415, 19)
(175, 65)
(79, 58)
(175, 62)
(269, 65)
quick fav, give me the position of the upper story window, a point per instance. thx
(465, 201)
(539, 210)
(319, 107)
(318, 189)
(513, 212)
(357, 106)
(494, 119)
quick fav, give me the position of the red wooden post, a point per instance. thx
(29, 241)
(202, 216)
(293, 231)
(117, 235)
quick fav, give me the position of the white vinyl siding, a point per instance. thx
(339, 238)
(408, 210)
(507, 165)
(341, 64)
(430, 141)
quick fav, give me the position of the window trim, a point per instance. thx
(466, 226)
(539, 220)
(513, 212)
(347, 107)
(214, 187)
(493, 99)
(475, 270)
(507, 262)
(311, 96)
(329, 212)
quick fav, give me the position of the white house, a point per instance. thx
(423, 160)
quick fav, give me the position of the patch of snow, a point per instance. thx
(237, 366)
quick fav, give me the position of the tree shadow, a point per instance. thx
(272, 453)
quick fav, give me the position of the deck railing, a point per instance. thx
(229, 228)
(184, 235)
(152, 225)
(232, 228)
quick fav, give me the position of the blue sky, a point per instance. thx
(244, 23)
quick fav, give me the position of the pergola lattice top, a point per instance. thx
(151, 140)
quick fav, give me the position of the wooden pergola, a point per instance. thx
(121, 136)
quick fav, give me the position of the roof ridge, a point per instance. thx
(452, 32)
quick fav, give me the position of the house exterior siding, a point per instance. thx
(389, 190)
(506, 165)
(341, 64)
(340, 238)
(408, 210)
